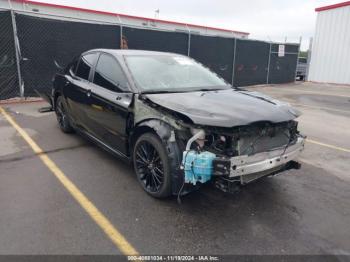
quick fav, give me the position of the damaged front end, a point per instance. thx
(242, 154)
(226, 156)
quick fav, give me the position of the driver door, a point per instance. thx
(109, 103)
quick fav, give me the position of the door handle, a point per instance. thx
(88, 93)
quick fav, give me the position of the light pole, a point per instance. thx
(156, 14)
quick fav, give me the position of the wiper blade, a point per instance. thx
(209, 89)
(206, 89)
(161, 92)
(181, 91)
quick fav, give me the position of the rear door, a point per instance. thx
(78, 88)
(110, 100)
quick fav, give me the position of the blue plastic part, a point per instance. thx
(198, 166)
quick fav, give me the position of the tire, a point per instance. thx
(62, 116)
(151, 165)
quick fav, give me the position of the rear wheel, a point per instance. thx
(151, 166)
(62, 116)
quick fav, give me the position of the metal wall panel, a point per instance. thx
(330, 56)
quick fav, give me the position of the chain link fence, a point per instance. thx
(282, 69)
(9, 84)
(251, 62)
(217, 53)
(44, 40)
(155, 40)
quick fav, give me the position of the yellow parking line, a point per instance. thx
(327, 145)
(117, 238)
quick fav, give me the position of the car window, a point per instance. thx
(172, 73)
(108, 74)
(85, 64)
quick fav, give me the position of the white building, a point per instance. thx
(70, 13)
(330, 54)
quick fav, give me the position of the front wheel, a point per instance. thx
(151, 166)
(62, 116)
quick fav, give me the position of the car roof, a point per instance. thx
(121, 52)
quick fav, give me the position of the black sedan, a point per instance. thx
(177, 122)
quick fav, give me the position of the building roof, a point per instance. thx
(328, 7)
(126, 16)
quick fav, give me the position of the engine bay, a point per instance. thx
(232, 155)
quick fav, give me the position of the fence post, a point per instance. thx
(296, 67)
(18, 54)
(234, 62)
(189, 40)
(121, 46)
(268, 65)
(121, 32)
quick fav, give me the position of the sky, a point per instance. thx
(270, 20)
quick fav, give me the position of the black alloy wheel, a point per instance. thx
(151, 165)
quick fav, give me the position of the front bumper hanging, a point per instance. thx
(261, 164)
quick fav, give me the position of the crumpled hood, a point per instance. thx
(226, 108)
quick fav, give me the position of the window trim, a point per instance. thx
(92, 67)
(68, 68)
(128, 88)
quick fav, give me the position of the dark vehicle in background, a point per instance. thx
(302, 68)
(178, 123)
